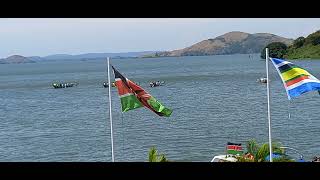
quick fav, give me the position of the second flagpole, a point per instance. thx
(110, 110)
(268, 97)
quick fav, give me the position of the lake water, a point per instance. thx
(215, 99)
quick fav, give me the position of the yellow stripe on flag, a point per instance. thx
(293, 73)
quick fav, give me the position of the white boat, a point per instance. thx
(156, 83)
(224, 158)
(262, 80)
(64, 85)
(233, 150)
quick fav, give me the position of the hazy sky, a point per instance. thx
(41, 37)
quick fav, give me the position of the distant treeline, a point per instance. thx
(302, 48)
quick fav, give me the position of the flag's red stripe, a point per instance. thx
(122, 89)
(289, 83)
(234, 147)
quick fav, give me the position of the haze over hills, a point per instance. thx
(88, 56)
(96, 55)
(234, 42)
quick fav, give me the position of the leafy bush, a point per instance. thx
(276, 50)
(258, 153)
(298, 42)
(154, 157)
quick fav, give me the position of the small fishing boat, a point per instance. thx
(105, 84)
(64, 85)
(262, 80)
(156, 83)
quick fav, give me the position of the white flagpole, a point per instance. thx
(110, 112)
(268, 95)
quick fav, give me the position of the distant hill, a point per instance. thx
(58, 56)
(96, 55)
(305, 48)
(15, 59)
(35, 58)
(87, 56)
(230, 43)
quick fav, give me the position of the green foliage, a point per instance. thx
(252, 147)
(312, 38)
(260, 152)
(316, 41)
(154, 157)
(298, 42)
(305, 48)
(305, 52)
(163, 158)
(276, 50)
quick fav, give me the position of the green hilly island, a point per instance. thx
(305, 48)
(301, 48)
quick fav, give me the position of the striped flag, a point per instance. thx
(295, 79)
(233, 148)
(133, 96)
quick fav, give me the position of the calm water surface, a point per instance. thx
(215, 99)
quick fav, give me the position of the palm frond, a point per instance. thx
(252, 147)
(153, 155)
(162, 158)
(263, 152)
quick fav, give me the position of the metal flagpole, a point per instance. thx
(268, 95)
(110, 112)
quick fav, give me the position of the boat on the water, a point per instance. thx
(262, 80)
(64, 85)
(156, 83)
(105, 84)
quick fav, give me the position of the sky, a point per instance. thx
(47, 36)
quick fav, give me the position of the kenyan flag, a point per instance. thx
(233, 148)
(133, 96)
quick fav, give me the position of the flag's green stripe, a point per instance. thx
(292, 73)
(157, 106)
(295, 77)
(130, 102)
(234, 152)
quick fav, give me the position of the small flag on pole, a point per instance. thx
(133, 96)
(233, 148)
(295, 79)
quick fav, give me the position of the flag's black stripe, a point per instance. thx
(286, 67)
(237, 144)
(118, 75)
